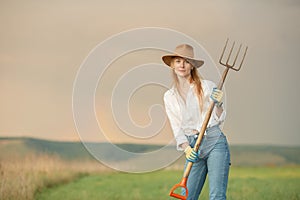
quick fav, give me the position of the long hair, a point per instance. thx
(196, 79)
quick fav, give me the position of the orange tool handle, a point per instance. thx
(182, 184)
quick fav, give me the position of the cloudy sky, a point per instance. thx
(44, 43)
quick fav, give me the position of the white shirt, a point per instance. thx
(185, 117)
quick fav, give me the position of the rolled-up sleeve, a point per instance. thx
(174, 116)
(220, 118)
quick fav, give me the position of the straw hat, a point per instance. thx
(185, 51)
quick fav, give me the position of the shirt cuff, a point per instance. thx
(221, 118)
(180, 139)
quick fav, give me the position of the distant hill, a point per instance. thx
(269, 155)
(241, 155)
(22, 146)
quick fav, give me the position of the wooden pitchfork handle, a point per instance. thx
(188, 168)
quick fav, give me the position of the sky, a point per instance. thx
(44, 43)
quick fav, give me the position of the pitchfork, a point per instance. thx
(228, 66)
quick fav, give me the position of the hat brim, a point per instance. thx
(168, 58)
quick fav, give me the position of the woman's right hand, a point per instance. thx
(190, 154)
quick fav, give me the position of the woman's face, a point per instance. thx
(181, 67)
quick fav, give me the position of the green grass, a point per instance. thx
(245, 183)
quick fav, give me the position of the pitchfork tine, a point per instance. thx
(221, 58)
(227, 62)
(243, 59)
(237, 54)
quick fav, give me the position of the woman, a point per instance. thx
(186, 104)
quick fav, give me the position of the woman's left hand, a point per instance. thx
(216, 95)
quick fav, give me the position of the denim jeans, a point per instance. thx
(216, 164)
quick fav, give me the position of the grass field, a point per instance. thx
(245, 184)
(22, 177)
(40, 169)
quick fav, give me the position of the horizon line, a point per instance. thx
(135, 143)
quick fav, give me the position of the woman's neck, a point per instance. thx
(184, 86)
(184, 81)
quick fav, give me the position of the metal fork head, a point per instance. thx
(232, 66)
